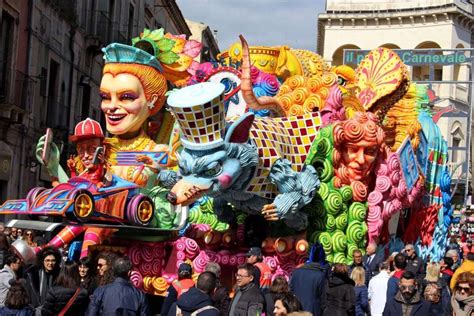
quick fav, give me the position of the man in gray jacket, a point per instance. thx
(12, 265)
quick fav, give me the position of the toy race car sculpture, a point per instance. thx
(81, 200)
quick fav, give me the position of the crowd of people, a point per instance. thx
(399, 284)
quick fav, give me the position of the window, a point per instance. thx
(6, 43)
(86, 100)
(131, 13)
(52, 107)
(455, 150)
(438, 74)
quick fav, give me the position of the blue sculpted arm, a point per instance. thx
(296, 189)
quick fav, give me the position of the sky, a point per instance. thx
(262, 22)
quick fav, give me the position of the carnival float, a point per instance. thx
(266, 146)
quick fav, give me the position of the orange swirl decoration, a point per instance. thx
(313, 84)
(296, 82)
(371, 130)
(353, 131)
(284, 89)
(300, 95)
(160, 286)
(296, 110)
(359, 191)
(287, 101)
(312, 103)
(148, 284)
(323, 93)
(328, 79)
(338, 133)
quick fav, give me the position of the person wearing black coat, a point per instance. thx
(41, 277)
(408, 300)
(248, 299)
(197, 299)
(119, 297)
(414, 263)
(308, 283)
(59, 296)
(88, 281)
(220, 297)
(66, 285)
(340, 294)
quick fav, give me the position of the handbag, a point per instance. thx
(69, 303)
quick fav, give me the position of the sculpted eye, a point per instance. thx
(341, 81)
(128, 97)
(213, 170)
(104, 96)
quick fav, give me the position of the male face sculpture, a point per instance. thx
(359, 158)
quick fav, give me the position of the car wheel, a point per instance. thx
(83, 206)
(140, 210)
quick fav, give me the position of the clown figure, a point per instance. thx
(89, 137)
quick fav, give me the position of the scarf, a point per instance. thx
(46, 282)
(462, 306)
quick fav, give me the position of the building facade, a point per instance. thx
(50, 72)
(202, 33)
(411, 24)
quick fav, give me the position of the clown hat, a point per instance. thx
(87, 129)
(199, 110)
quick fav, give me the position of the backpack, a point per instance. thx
(196, 312)
(432, 293)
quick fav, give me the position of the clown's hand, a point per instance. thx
(148, 162)
(52, 162)
(270, 212)
(71, 164)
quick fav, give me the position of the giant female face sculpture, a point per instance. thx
(358, 143)
(132, 89)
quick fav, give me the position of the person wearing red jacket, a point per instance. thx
(178, 287)
(263, 271)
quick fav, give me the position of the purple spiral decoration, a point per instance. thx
(268, 83)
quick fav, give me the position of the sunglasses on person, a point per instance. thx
(466, 289)
(100, 265)
(407, 287)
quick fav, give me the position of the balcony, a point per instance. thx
(102, 30)
(14, 97)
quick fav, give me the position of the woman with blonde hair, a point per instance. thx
(435, 289)
(29, 235)
(361, 292)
